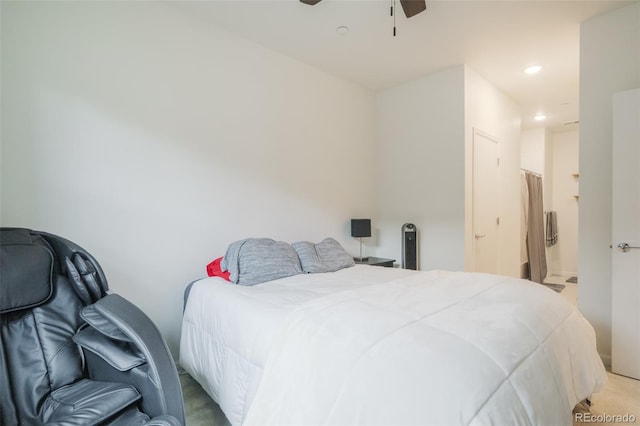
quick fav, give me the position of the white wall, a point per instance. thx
(609, 63)
(536, 155)
(420, 168)
(562, 259)
(532, 150)
(491, 111)
(154, 141)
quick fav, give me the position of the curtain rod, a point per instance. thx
(529, 171)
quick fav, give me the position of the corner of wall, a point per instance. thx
(420, 167)
(492, 112)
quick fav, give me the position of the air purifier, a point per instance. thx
(409, 246)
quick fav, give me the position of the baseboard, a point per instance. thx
(606, 360)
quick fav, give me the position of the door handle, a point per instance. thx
(624, 247)
(478, 236)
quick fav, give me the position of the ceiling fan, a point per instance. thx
(410, 7)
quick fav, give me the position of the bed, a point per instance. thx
(372, 345)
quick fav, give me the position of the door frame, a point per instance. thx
(625, 276)
(477, 132)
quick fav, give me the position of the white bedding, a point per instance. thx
(371, 345)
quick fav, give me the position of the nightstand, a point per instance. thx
(376, 261)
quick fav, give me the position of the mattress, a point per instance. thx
(371, 345)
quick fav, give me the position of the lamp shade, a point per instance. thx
(360, 227)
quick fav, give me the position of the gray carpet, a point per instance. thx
(555, 287)
(199, 408)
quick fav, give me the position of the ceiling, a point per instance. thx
(497, 39)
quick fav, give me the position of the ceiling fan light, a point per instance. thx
(540, 117)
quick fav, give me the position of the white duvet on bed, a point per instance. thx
(371, 345)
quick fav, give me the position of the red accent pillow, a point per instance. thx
(214, 270)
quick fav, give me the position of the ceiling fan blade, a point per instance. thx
(412, 7)
(310, 2)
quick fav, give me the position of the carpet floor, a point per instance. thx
(555, 287)
(200, 409)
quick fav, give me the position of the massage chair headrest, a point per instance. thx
(26, 269)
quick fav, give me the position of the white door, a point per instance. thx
(486, 202)
(625, 229)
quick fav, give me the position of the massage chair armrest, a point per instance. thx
(123, 356)
(123, 322)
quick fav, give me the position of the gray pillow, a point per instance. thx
(326, 256)
(309, 258)
(256, 260)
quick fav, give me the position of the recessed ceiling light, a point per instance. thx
(533, 69)
(342, 30)
(540, 117)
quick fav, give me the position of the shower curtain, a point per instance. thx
(535, 230)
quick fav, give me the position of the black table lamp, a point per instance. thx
(361, 228)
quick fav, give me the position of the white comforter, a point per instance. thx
(370, 345)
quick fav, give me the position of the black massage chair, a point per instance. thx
(72, 353)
